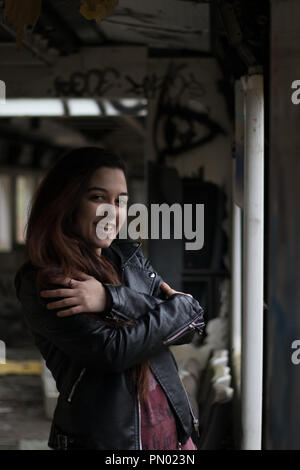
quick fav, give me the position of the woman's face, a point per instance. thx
(106, 186)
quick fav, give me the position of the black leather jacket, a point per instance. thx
(98, 406)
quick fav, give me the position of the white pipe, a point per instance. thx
(236, 254)
(236, 293)
(253, 238)
(5, 213)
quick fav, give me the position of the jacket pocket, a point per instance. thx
(196, 324)
(71, 393)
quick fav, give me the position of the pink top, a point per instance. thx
(158, 427)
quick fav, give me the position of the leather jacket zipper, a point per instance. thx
(179, 444)
(75, 385)
(138, 418)
(195, 420)
(139, 424)
(182, 330)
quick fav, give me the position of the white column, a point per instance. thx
(5, 214)
(25, 187)
(253, 238)
(236, 292)
(236, 253)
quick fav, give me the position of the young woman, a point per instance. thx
(101, 316)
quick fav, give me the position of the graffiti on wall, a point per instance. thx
(97, 82)
(178, 84)
(178, 126)
(94, 82)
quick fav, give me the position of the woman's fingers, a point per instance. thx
(190, 295)
(169, 291)
(62, 303)
(71, 282)
(65, 281)
(57, 293)
(164, 285)
(70, 311)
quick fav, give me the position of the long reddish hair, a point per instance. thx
(53, 246)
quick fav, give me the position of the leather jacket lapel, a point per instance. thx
(124, 249)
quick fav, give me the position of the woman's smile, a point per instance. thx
(109, 229)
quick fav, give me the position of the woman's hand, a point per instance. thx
(86, 295)
(169, 291)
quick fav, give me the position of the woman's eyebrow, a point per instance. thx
(98, 188)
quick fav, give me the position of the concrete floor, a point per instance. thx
(23, 423)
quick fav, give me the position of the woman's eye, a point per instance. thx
(98, 197)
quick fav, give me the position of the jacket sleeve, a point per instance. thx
(158, 293)
(130, 304)
(94, 344)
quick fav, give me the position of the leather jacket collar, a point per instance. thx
(125, 249)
